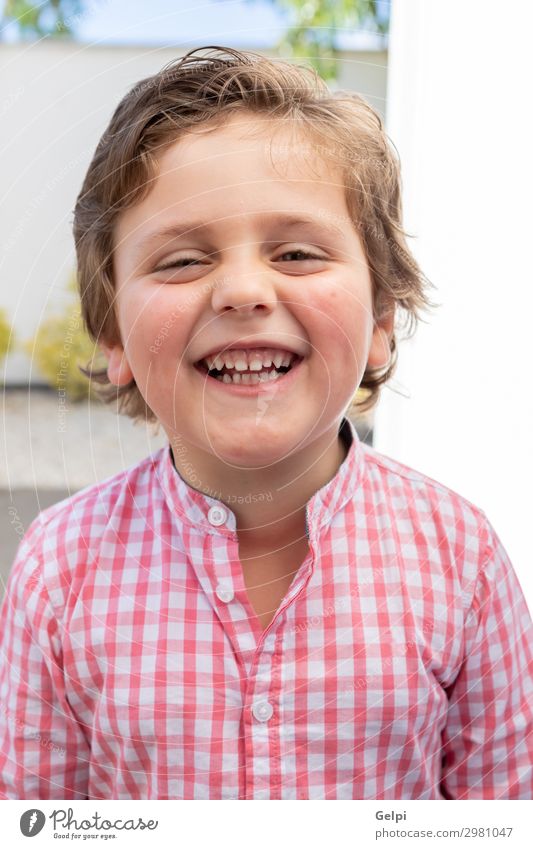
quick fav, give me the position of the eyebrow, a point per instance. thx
(184, 227)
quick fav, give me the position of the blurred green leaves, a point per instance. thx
(6, 335)
(52, 17)
(313, 26)
(60, 345)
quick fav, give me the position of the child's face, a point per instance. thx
(246, 282)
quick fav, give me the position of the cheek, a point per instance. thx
(339, 320)
(155, 331)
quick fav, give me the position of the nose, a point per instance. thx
(245, 287)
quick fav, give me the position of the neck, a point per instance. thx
(270, 503)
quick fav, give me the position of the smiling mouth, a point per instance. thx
(248, 367)
(246, 377)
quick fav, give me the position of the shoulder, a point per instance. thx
(425, 510)
(404, 483)
(62, 544)
(89, 507)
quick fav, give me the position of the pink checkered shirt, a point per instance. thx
(398, 665)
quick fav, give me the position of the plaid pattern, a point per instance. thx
(398, 666)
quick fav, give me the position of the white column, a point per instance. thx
(460, 115)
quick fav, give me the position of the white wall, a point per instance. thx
(56, 99)
(459, 112)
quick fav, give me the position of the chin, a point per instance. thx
(253, 446)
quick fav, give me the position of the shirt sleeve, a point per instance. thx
(488, 737)
(44, 753)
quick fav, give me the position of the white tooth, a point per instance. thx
(245, 378)
(264, 376)
(219, 362)
(240, 362)
(228, 359)
(209, 362)
(237, 377)
(226, 378)
(277, 359)
(267, 360)
(255, 362)
(286, 360)
(254, 378)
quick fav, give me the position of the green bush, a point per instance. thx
(59, 346)
(6, 335)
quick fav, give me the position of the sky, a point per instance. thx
(256, 23)
(238, 23)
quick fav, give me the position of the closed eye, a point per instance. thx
(176, 263)
(186, 261)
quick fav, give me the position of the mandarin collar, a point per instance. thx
(212, 516)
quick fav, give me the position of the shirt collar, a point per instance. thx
(193, 506)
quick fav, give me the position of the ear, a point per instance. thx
(379, 353)
(118, 368)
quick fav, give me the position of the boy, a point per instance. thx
(266, 608)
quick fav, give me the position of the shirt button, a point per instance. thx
(217, 515)
(262, 711)
(224, 592)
